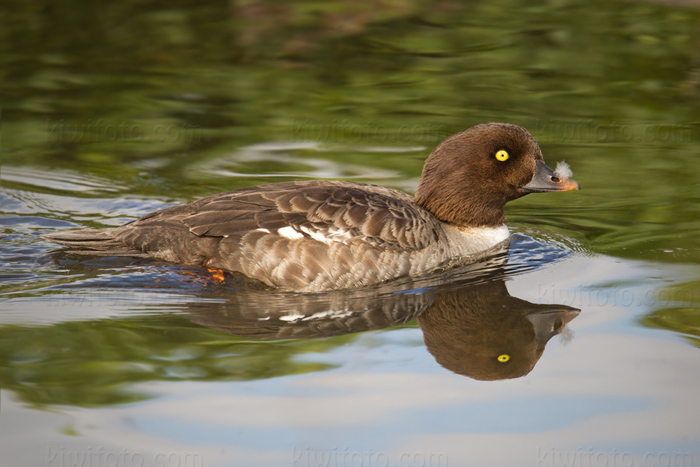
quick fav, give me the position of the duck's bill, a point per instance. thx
(550, 320)
(546, 180)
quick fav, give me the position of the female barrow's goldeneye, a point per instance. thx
(321, 235)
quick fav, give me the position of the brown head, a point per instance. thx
(469, 177)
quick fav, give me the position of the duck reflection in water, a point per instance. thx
(472, 326)
(482, 332)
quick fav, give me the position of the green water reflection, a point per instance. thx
(95, 364)
(682, 314)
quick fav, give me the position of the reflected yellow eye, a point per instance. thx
(504, 358)
(502, 156)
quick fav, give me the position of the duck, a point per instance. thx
(322, 235)
(480, 331)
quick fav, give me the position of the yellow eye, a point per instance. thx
(502, 155)
(504, 358)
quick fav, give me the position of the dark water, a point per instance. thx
(576, 346)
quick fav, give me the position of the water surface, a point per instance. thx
(111, 113)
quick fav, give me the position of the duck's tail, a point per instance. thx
(92, 242)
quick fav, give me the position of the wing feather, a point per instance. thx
(376, 214)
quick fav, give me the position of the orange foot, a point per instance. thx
(217, 275)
